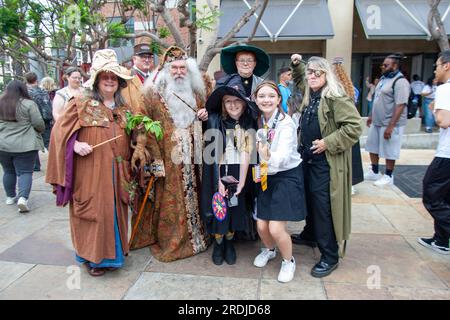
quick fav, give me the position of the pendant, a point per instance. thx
(246, 82)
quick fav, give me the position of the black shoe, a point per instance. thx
(230, 252)
(432, 244)
(218, 252)
(297, 239)
(322, 269)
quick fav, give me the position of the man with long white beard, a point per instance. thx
(171, 223)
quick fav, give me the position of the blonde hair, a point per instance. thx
(332, 88)
(48, 84)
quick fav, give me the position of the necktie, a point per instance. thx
(264, 170)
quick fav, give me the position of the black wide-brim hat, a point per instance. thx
(214, 102)
(228, 59)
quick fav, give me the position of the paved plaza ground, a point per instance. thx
(383, 259)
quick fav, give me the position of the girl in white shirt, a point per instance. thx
(281, 197)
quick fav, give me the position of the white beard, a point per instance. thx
(182, 115)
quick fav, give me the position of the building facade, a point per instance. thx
(363, 32)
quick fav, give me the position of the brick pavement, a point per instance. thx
(383, 259)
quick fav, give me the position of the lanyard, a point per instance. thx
(275, 122)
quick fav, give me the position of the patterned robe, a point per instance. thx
(171, 223)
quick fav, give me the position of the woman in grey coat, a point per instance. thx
(21, 125)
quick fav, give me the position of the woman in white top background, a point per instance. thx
(427, 94)
(281, 197)
(73, 89)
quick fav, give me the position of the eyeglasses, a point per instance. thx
(385, 65)
(247, 61)
(75, 78)
(110, 77)
(146, 57)
(316, 73)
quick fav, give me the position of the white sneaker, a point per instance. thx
(264, 257)
(10, 201)
(372, 176)
(22, 203)
(353, 191)
(385, 180)
(287, 270)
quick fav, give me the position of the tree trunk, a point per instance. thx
(436, 27)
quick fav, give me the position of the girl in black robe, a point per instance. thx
(228, 151)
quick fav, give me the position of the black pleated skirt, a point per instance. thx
(284, 198)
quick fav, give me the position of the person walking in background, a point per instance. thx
(73, 89)
(21, 125)
(329, 126)
(49, 85)
(428, 93)
(416, 92)
(41, 98)
(285, 76)
(436, 182)
(387, 121)
(370, 94)
(282, 194)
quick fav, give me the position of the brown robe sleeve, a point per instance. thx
(62, 130)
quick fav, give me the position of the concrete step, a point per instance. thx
(414, 140)
(414, 136)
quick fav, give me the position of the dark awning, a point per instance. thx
(282, 20)
(398, 19)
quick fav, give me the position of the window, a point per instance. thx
(129, 26)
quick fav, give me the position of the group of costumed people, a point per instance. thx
(233, 146)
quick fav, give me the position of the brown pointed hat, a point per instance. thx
(171, 54)
(106, 60)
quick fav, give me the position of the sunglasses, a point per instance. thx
(106, 77)
(316, 73)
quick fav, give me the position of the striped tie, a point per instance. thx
(264, 169)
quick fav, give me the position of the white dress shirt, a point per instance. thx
(283, 149)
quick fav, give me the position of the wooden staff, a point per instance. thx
(141, 210)
(109, 140)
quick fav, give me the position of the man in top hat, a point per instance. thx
(142, 66)
(171, 222)
(244, 65)
(142, 61)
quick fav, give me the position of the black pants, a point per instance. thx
(319, 222)
(436, 198)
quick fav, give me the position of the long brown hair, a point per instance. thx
(274, 86)
(15, 91)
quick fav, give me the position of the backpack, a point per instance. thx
(43, 102)
(413, 101)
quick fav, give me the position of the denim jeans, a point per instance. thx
(18, 166)
(427, 114)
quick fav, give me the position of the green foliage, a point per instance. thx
(11, 20)
(155, 48)
(116, 30)
(207, 19)
(143, 122)
(163, 32)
